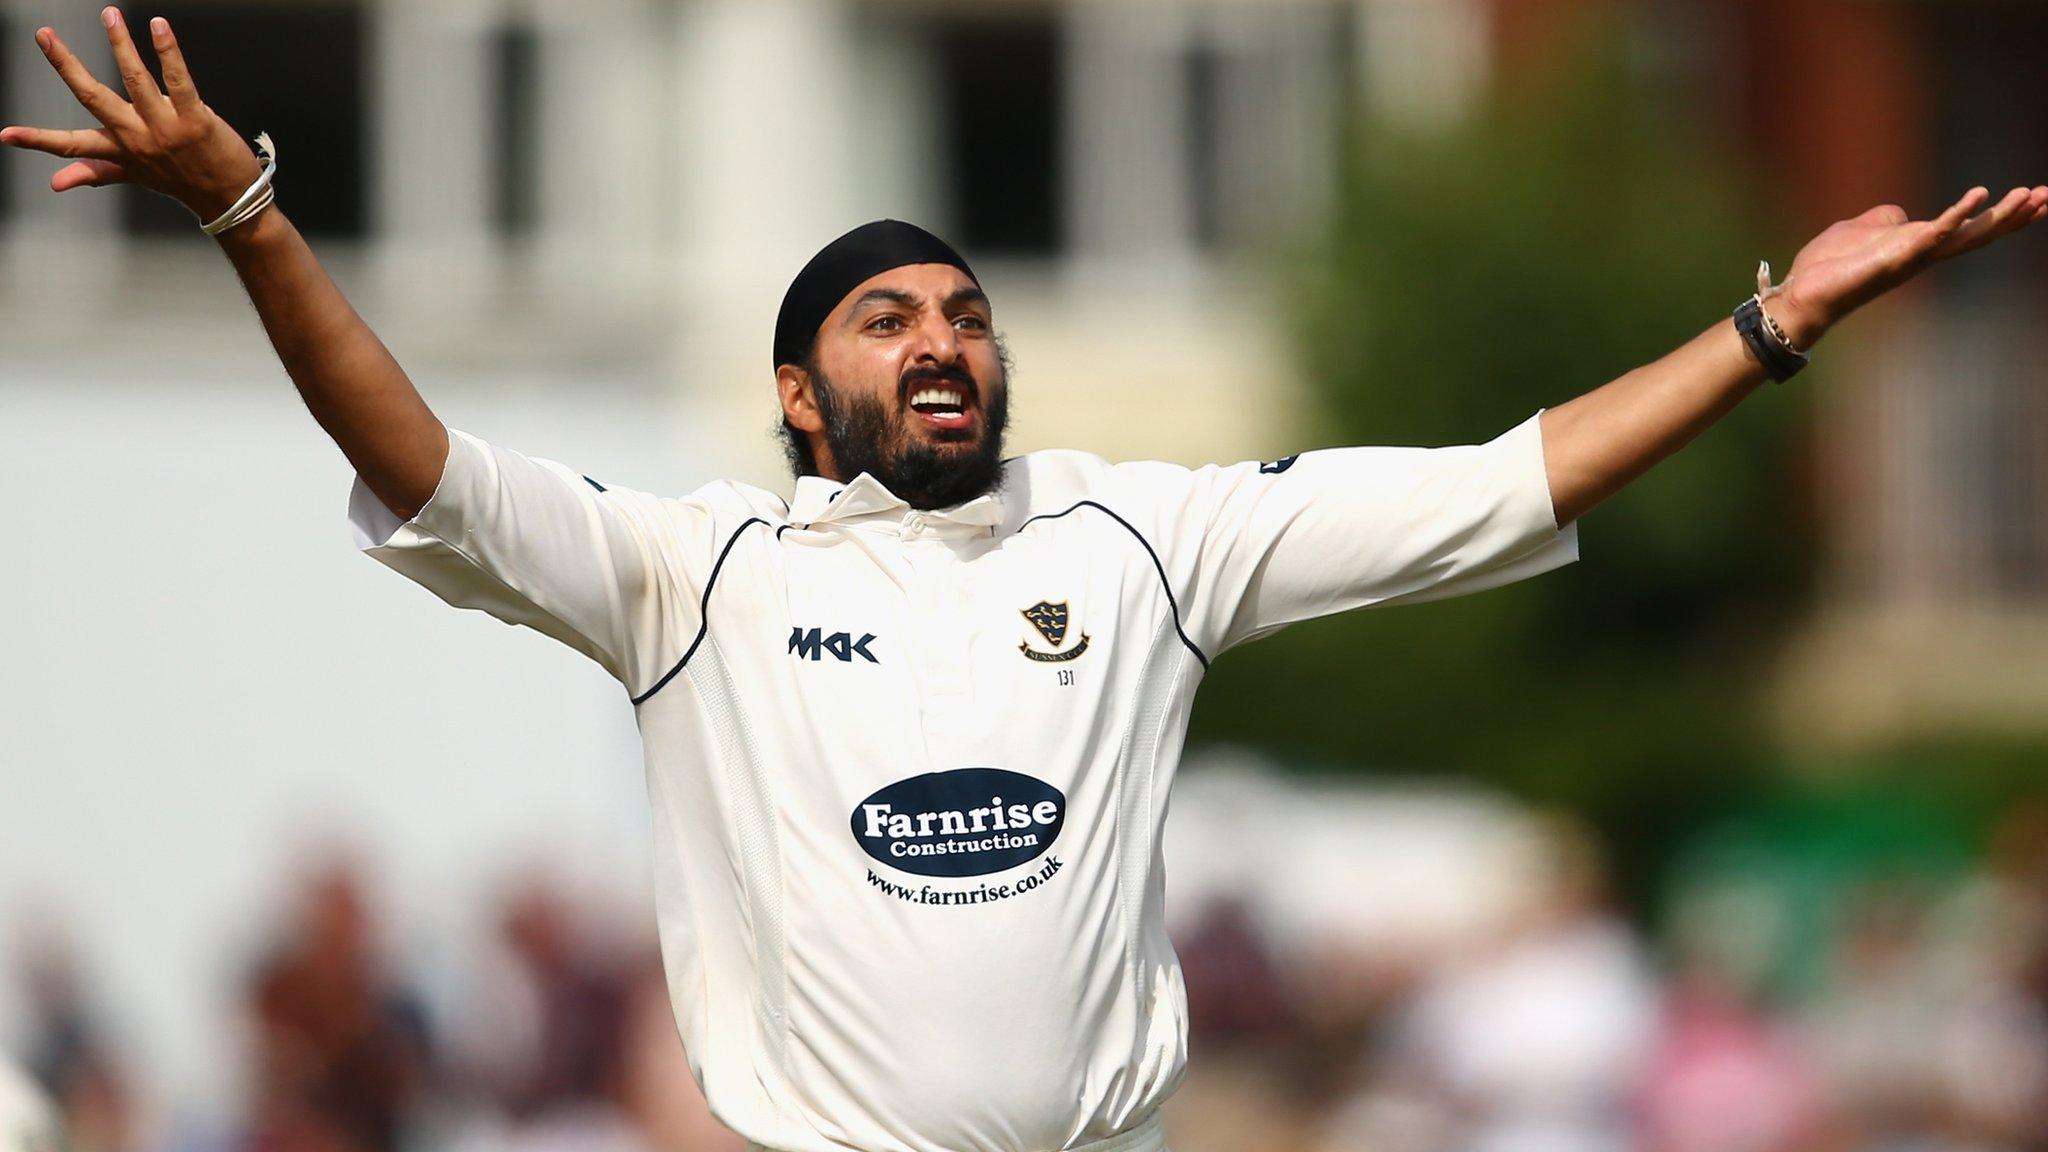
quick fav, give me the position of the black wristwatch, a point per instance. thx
(1780, 362)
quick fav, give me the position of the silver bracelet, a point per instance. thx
(1764, 291)
(259, 196)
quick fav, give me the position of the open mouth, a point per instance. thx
(942, 407)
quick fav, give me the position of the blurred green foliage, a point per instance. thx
(1854, 842)
(1463, 280)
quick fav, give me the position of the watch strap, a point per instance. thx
(1780, 362)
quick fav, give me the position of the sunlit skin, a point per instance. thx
(1597, 443)
(900, 331)
(907, 325)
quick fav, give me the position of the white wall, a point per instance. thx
(200, 674)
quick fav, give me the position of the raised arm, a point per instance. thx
(1597, 443)
(174, 144)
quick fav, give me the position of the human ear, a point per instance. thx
(799, 400)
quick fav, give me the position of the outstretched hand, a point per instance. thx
(173, 144)
(1856, 261)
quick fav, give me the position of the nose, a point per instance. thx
(937, 341)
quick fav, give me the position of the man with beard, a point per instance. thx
(958, 455)
(910, 733)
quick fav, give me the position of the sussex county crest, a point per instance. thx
(1051, 621)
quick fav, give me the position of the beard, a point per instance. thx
(869, 434)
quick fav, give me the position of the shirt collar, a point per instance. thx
(821, 501)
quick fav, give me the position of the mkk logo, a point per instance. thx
(813, 644)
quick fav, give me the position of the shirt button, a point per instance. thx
(916, 524)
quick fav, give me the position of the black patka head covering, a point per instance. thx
(844, 265)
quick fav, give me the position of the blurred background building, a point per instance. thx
(1730, 838)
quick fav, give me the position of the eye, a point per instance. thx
(885, 324)
(971, 322)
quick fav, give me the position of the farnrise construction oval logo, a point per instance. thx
(966, 822)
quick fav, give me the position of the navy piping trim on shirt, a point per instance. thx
(703, 610)
(1164, 584)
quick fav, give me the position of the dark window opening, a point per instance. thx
(1987, 57)
(1000, 86)
(1203, 77)
(515, 78)
(295, 72)
(11, 167)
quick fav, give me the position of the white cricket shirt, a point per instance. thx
(909, 770)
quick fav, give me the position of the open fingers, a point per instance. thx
(98, 99)
(2016, 208)
(142, 89)
(95, 143)
(2035, 208)
(2027, 208)
(177, 78)
(1946, 223)
(88, 174)
(1937, 238)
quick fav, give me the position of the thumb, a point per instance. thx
(88, 174)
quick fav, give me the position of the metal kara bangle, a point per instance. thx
(259, 196)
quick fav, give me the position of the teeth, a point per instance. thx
(944, 397)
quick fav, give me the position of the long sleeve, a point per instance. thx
(1259, 546)
(607, 571)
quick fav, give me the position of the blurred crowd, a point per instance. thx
(1572, 1030)
(1568, 1029)
(561, 1039)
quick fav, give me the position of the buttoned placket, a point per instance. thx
(929, 568)
(943, 626)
